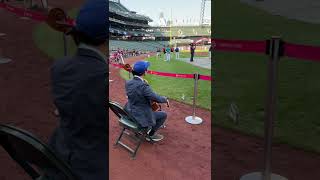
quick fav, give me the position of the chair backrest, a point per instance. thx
(121, 113)
(30, 152)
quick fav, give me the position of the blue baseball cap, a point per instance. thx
(141, 66)
(92, 19)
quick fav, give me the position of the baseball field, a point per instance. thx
(177, 88)
(183, 88)
(241, 78)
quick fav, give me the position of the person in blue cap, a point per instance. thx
(140, 95)
(79, 88)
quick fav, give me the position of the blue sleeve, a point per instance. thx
(148, 92)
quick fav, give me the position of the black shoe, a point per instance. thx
(155, 137)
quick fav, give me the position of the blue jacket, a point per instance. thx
(140, 95)
(79, 88)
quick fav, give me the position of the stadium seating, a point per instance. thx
(182, 31)
(118, 8)
(129, 23)
(137, 45)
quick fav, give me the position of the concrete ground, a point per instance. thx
(203, 62)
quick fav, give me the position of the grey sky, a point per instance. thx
(182, 10)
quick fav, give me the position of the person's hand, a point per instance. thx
(56, 113)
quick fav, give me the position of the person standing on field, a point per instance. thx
(177, 50)
(168, 53)
(192, 50)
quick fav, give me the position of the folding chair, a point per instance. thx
(139, 134)
(31, 154)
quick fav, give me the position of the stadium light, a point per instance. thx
(203, 7)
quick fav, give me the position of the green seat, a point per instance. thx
(128, 123)
(130, 127)
(34, 156)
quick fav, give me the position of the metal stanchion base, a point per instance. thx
(4, 60)
(258, 176)
(193, 120)
(24, 18)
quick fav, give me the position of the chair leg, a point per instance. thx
(140, 140)
(140, 137)
(120, 136)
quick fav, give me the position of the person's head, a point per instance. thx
(92, 24)
(140, 68)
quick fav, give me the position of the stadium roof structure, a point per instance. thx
(182, 31)
(118, 8)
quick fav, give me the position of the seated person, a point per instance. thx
(79, 86)
(140, 96)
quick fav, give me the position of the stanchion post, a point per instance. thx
(194, 119)
(65, 49)
(271, 103)
(195, 94)
(26, 7)
(275, 51)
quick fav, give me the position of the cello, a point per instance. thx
(154, 105)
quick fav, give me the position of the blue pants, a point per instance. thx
(160, 119)
(192, 55)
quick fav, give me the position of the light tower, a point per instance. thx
(203, 8)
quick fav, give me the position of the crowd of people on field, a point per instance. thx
(119, 54)
(168, 51)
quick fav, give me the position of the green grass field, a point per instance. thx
(176, 88)
(241, 77)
